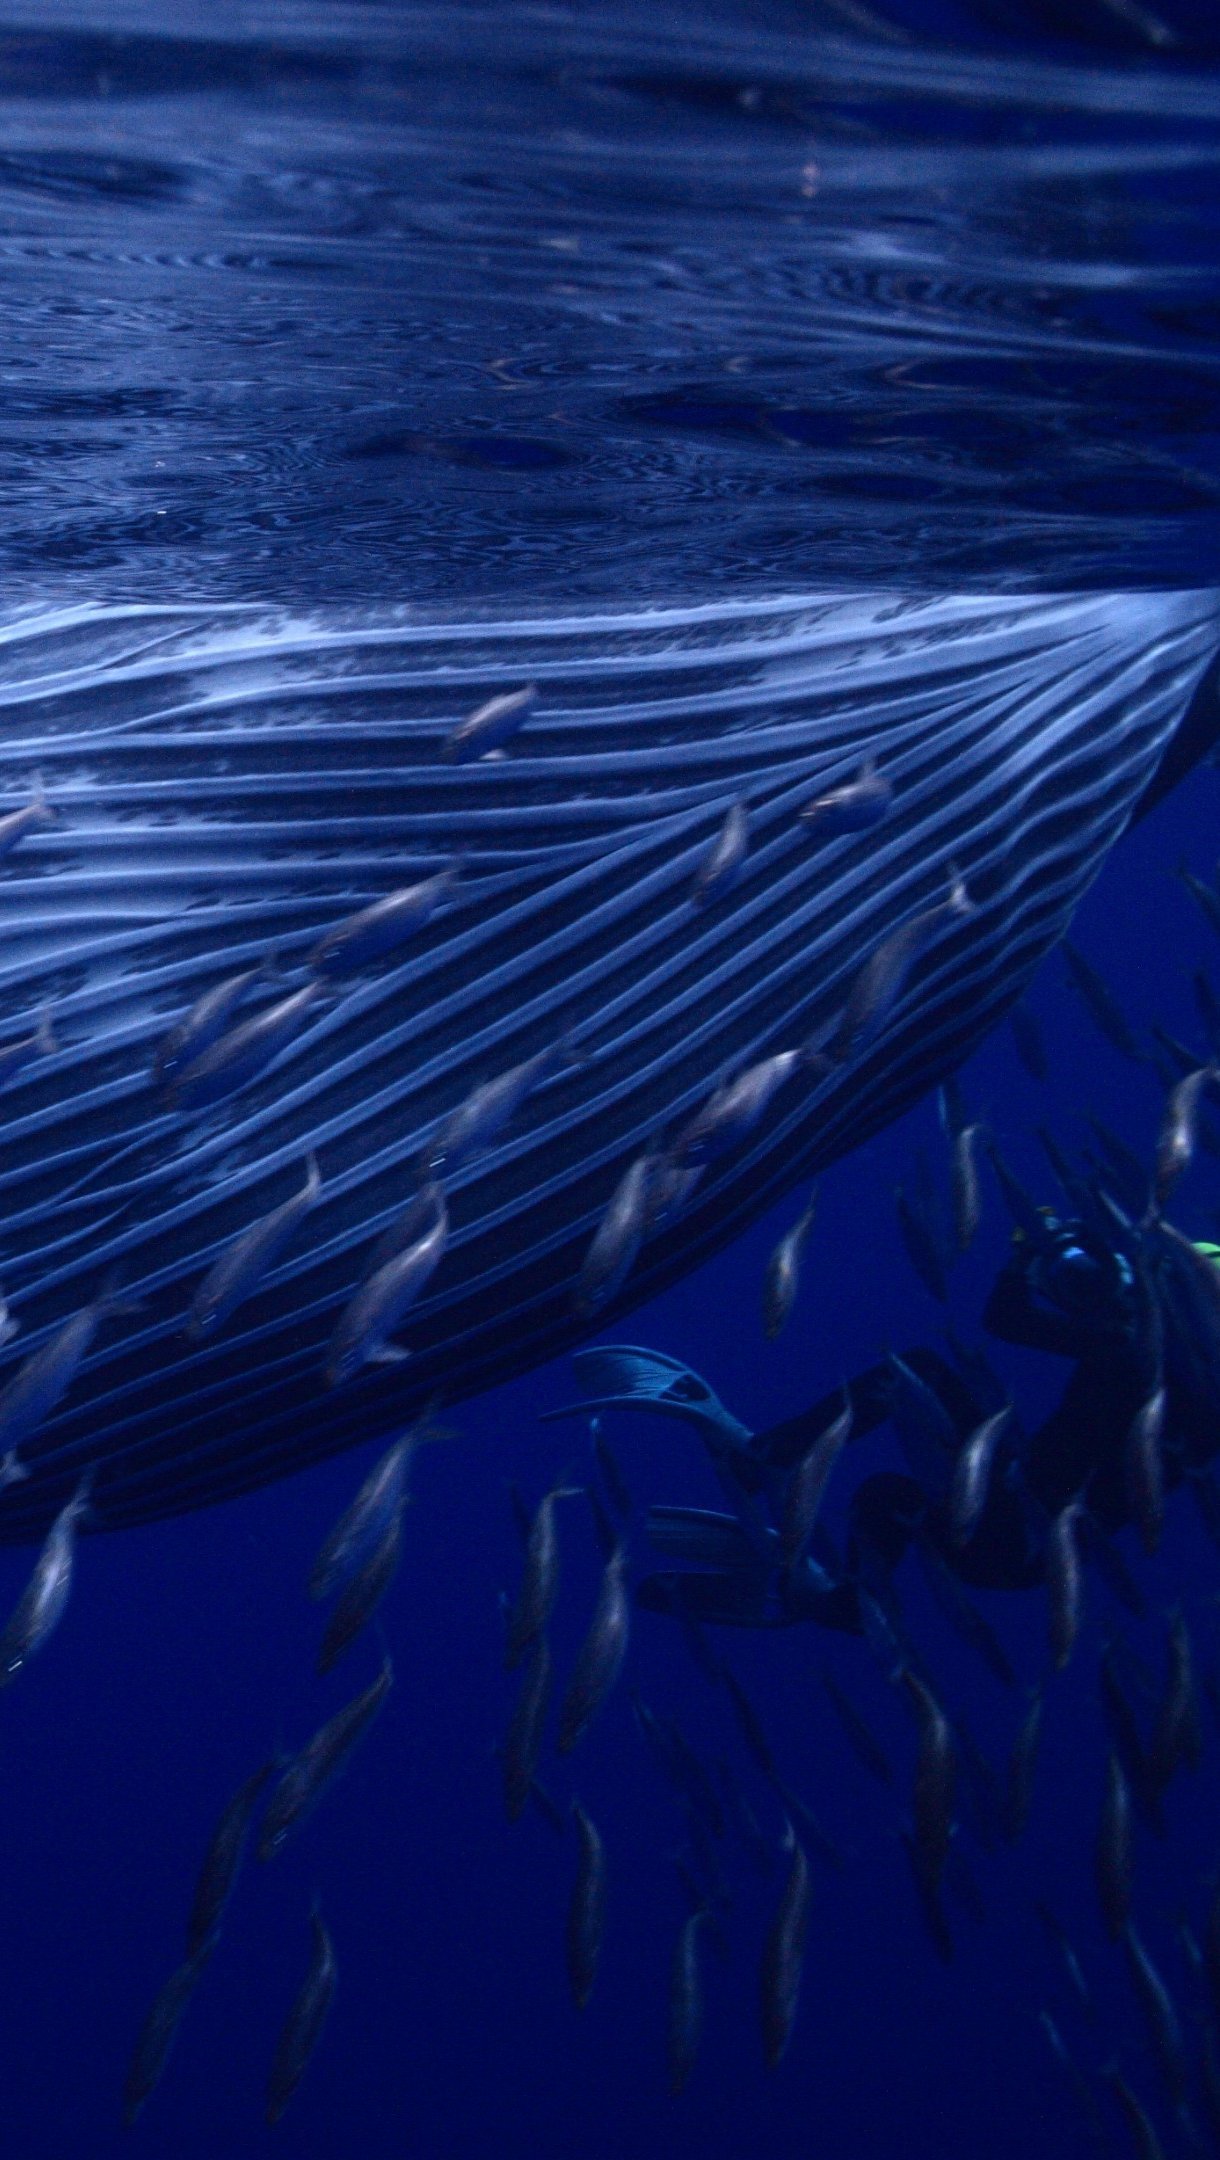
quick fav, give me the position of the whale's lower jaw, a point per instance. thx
(231, 784)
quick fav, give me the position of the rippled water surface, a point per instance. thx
(340, 303)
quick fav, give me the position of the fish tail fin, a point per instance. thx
(41, 802)
(114, 1299)
(12, 1470)
(313, 1177)
(44, 1034)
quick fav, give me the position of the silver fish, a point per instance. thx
(1019, 1791)
(489, 1107)
(685, 2002)
(966, 1185)
(421, 1211)
(319, 1762)
(523, 1741)
(1177, 1740)
(600, 1658)
(1145, 1476)
(854, 806)
(380, 1497)
(618, 1236)
(972, 1475)
(362, 1594)
(18, 823)
(38, 1386)
(14, 1057)
(783, 1277)
(490, 725)
(1175, 1145)
(1144, 2140)
(306, 2018)
(1113, 1856)
(807, 1485)
(587, 1910)
(732, 1111)
(880, 981)
(720, 868)
(206, 1021)
(239, 1269)
(221, 1863)
(1064, 1582)
(864, 1744)
(935, 1781)
(158, 2033)
(381, 1304)
(784, 1954)
(242, 1052)
(41, 1605)
(540, 1577)
(1099, 1001)
(1164, 2024)
(379, 929)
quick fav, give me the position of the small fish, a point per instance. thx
(38, 812)
(1144, 2139)
(784, 1954)
(422, 1212)
(40, 1384)
(158, 2033)
(1027, 1035)
(379, 1498)
(540, 1578)
(490, 725)
(670, 1189)
(720, 867)
(14, 1057)
(1101, 1004)
(242, 1052)
(867, 1749)
(236, 1274)
(783, 1277)
(1177, 1741)
(751, 1727)
(880, 981)
(854, 806)
(381, 1304)
(303, 2028)
(523, 1741)
(807, 1485)
(587, 1910)
(41, 1605)
(1164, 2025)
(921, 1232)
(929, 1902)
(489, 1107)
(1205, 895)
(1021, 1766)
(381, 928)
(735, 1108)
(206, 1021)
(362, 1594)
(1127, 1740)
(221, 1863)
(972, 1475)
(935, 1781)
(685, 2001)
(1062, 1944)
(1064, 1582)
(926, 1432)
(1114, 1851)
(966, 1186)
(319, 1763)
(618, 1236)
(600, 1659)
(1175, 1145)
(1145, 1476)
(1074, 2075)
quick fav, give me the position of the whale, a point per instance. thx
(227, 783)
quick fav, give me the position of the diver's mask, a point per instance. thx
(1077, 1274)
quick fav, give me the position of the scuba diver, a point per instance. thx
(1134, 1305)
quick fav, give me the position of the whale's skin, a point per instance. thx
(233, 781)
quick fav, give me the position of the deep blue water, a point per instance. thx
(354, 306)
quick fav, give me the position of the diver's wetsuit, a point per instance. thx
(1074, 1293)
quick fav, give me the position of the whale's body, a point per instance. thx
(233, 782)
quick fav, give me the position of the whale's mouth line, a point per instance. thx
(229, 784)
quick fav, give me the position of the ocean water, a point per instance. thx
(337, 323)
